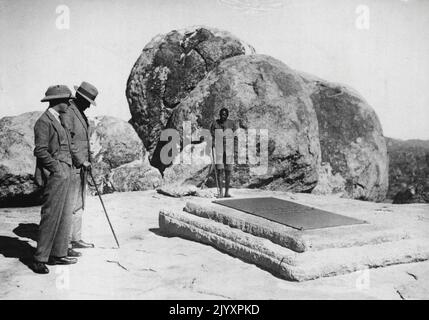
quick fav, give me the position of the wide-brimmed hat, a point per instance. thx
(87, 91)
(58, 91)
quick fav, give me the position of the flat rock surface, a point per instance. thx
(150, 265)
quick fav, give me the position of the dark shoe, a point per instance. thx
(39, 267)
(72, 253)
(61, 260)
(81, 245)
(227, 195)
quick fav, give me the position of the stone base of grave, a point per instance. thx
(290, 253)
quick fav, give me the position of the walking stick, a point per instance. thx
(104, 208)
(214, 165)
(202, 183)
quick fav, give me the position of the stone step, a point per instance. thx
(284, 262)
(296, 240)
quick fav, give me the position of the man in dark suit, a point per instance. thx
(53, 173)
(76, 122)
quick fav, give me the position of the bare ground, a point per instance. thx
(151, 265)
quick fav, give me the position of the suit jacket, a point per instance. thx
(48, 135)
(78, 127)
(80, 132)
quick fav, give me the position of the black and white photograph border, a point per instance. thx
(214, 150)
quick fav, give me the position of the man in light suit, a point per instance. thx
(53, 173)
(77, 123)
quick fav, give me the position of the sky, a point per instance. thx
(378, 47)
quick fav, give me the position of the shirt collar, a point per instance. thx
(55, 114)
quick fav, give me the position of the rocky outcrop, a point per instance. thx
(189, 75)
(114, 144)
(134, 176)
(261, 93)
(408, 167)
(353, 148)
(114, 141)
(169, 67)
(17, 163)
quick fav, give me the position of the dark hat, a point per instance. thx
(88, 91)
(58, 91)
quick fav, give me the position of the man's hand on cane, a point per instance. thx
(86, 165)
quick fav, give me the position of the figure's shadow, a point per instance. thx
(11, 247)
(160, 233)
(27, 230)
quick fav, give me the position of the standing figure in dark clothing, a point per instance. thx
(223, 161)
(77, 124)
(53, 173)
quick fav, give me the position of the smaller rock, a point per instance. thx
(177, 190)
(135, 176)
(405, 196)
(206, 193)
(351, 141)
(114, 143)
(189, 167)
(17, 162)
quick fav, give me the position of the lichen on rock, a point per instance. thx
(169, 67)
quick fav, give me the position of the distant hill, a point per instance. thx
(408, 166)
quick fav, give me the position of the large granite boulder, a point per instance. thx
(138, 175)
(17, 163)
(114, 144)
(169, 67)
(321, 133)
(408, 167)
(261, 93)
(114, 141)
(354, 154)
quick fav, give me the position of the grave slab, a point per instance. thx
(289, 213)
(296, 240)
(284, 262)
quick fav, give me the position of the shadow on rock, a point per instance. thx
(27, 230)
(16, 248)
(160, 233)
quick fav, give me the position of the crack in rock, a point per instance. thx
(400, 294)
(213, 294)
(413, 275)
(118, 263)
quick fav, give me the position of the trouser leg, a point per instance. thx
(76, 195)
(61, 242)
(219, 181)
(227, 181)
(77, 226)
(54, 200)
